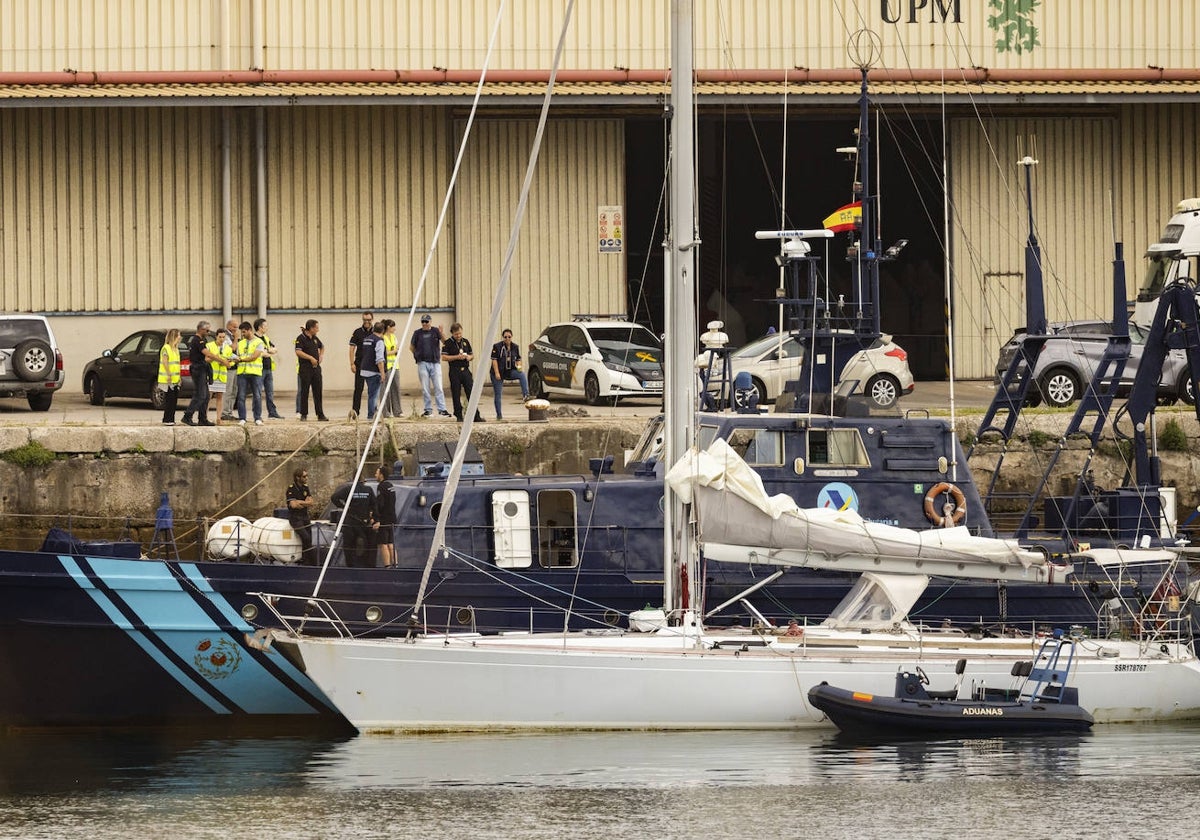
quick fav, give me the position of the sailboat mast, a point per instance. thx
(680, 306)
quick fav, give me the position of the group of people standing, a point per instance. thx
(430, 347)
(241, 359)
(368, 531)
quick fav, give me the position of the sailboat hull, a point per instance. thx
(613, 682)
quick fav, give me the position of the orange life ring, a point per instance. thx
(947, 516)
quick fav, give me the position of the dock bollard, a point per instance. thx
(537, 408)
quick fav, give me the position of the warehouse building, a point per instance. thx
(291, 158)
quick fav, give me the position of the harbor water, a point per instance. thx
(1118, 781)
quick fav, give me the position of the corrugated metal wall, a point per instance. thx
(1159, 166)
(114, 209)
(354, 195)
(1074, 191)
(415, 34)
(557, 268)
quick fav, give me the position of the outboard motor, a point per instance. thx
(745, 395)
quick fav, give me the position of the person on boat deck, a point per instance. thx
(385, 523)
(299, 505)
(357, 532)
(169, 376)
(506, 364)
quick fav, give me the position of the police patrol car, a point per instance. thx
(599, 356)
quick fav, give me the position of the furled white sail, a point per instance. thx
(740, 523)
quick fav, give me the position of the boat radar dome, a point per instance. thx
(714, 338)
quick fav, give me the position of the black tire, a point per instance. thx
(158, 398)
(761, 388)
(1185, 389)
(40, 400)
(537, 388)
(591, 389)
(94, 389)
(33, 360)
(882, 390)
(1060, 388)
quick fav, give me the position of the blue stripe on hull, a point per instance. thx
(213, 660)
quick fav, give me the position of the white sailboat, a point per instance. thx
(674, 673)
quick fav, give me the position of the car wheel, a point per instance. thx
(761, 388)
(33, 360)
(591, 389)
(883, 390)
(158, 398)
(95, 390)
(1060, 388)
(537, 388)
(41, 400)
(1185, 389)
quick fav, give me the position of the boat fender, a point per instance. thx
(952, 513)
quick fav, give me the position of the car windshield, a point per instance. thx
(620, 338)
(759, 346)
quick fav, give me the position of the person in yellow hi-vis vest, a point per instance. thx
(220, 361)
(249, 352)
(391, 347)
(169, 375)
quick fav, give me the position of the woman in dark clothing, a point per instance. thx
(385, 499)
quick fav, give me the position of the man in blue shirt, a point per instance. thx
(426, 348)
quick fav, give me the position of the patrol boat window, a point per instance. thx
(557, 536)
(763, 447)
(836, 447)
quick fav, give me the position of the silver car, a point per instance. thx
(880, 372)
(1070, 358)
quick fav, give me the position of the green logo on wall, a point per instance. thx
(1013, 23)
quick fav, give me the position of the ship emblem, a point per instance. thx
(217, 660)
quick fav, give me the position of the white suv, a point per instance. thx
(598, 357)
(30, 362)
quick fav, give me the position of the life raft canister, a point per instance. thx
(948, 514)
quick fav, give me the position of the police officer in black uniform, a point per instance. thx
(357, 532)
(299, 507)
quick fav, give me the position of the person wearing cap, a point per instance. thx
(426, 346)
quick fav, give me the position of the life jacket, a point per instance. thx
(246, 347)
(391, 348)
(168, 366)
(220, 372)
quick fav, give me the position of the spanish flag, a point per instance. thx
(844, 218)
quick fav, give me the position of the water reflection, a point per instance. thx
(584, 784)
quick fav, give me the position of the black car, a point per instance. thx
(130, 370)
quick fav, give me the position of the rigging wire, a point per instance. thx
(493, 325)
(417, 296)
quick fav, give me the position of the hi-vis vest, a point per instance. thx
(168, 366)
(390, 348)
(219, 371)
(246, 347)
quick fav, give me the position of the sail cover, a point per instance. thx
(740, 522)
